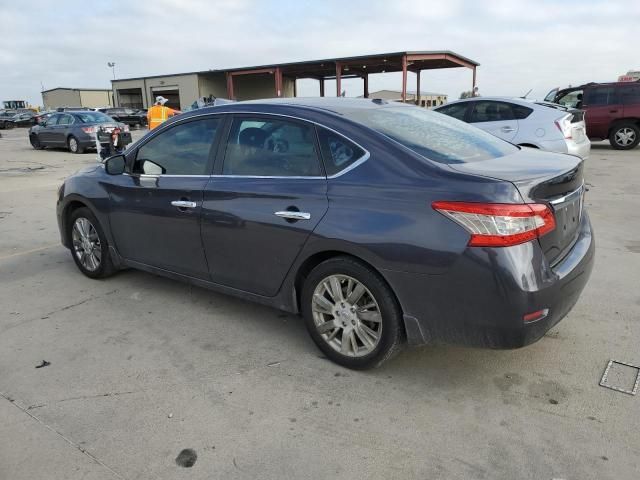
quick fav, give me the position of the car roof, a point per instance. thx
(334, 105)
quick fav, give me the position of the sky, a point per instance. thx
(521, 45)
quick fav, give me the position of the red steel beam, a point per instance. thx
(322, 87)
(418, 87)
(230, 93)
(473, 86)
(365, 78)
(404, 78)
(338, 82)
(278, 78)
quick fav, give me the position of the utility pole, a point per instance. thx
(112, 65)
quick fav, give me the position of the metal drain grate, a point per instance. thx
(620, 373)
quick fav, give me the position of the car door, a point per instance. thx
(602, 107)
(156, 206)
(497, 118)
(62, 129)
(268, 194)
(46, 132)
(630, 99)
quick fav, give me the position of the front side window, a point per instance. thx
(600, 96)
(271, 148)
(455, 110)
(434, 136)
(183, 149)
(338, 152)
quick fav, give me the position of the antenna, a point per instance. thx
(525, 95)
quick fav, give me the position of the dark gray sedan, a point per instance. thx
(381, 223)
(75, 130)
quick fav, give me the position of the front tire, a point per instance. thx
(624, 136)
(74, 145)
(351, 314)
(89, 246)
(35, 142)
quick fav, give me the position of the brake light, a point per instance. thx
(564, 125)
(93, 129)
(499, 224)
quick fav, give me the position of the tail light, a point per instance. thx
(90, 130)
(499, 224)
(564, 125)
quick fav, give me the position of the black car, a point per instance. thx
(25, 119)
(126, 115)
(381, 223)
(75, 130)
(6, 119)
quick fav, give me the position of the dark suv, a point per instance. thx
(612, 110)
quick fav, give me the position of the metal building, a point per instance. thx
(279, 80)
(76, 97)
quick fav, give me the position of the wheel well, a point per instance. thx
(316, 259)
(71, 207)
(618, 121)
(531, 145)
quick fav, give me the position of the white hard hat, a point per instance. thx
(161, 100)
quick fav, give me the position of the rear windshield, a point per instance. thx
(433, 135)
(93, 117)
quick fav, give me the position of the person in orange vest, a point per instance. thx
(159, 113)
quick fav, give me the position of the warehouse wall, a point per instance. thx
(212, 84)
(250, 87)
(95, 98)
(187, 85)
(60, 98)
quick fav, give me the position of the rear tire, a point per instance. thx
(74, 145)
(89, 246)
(352, 314)
(624, 136)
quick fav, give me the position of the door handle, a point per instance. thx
(507, 129)
(293, 215)
(184, 204)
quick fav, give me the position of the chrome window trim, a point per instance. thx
(347, 169)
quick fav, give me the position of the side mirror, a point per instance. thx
(152, 168)
(115, 165)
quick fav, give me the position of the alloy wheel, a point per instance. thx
(625, 136)
(86, 244)
(73, 145)
(347, 315)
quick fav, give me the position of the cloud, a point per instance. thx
(521, 44)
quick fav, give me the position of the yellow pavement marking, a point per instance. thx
(26, 252)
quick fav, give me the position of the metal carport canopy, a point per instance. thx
(358, 67)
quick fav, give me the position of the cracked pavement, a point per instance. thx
(144, 368)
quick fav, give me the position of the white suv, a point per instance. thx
(527, 123)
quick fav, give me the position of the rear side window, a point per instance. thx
(600, 96)
(630, 95)
(338, 152)
(457, 110)
(65, 120)
(484, 111)
(53, 119)
(271, 148)
(434, 136)
(182, 149)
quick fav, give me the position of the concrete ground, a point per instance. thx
(142, 367)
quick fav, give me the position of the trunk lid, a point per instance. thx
(542, 177)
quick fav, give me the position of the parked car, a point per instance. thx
(126, 115)
(524, 122)
(379, 222)
(6, 119)
(612, 110)
(75, 130)
(25, 119)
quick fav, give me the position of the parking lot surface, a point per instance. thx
(142, 368)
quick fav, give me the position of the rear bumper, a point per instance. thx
(582, 149)
(482, 300)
